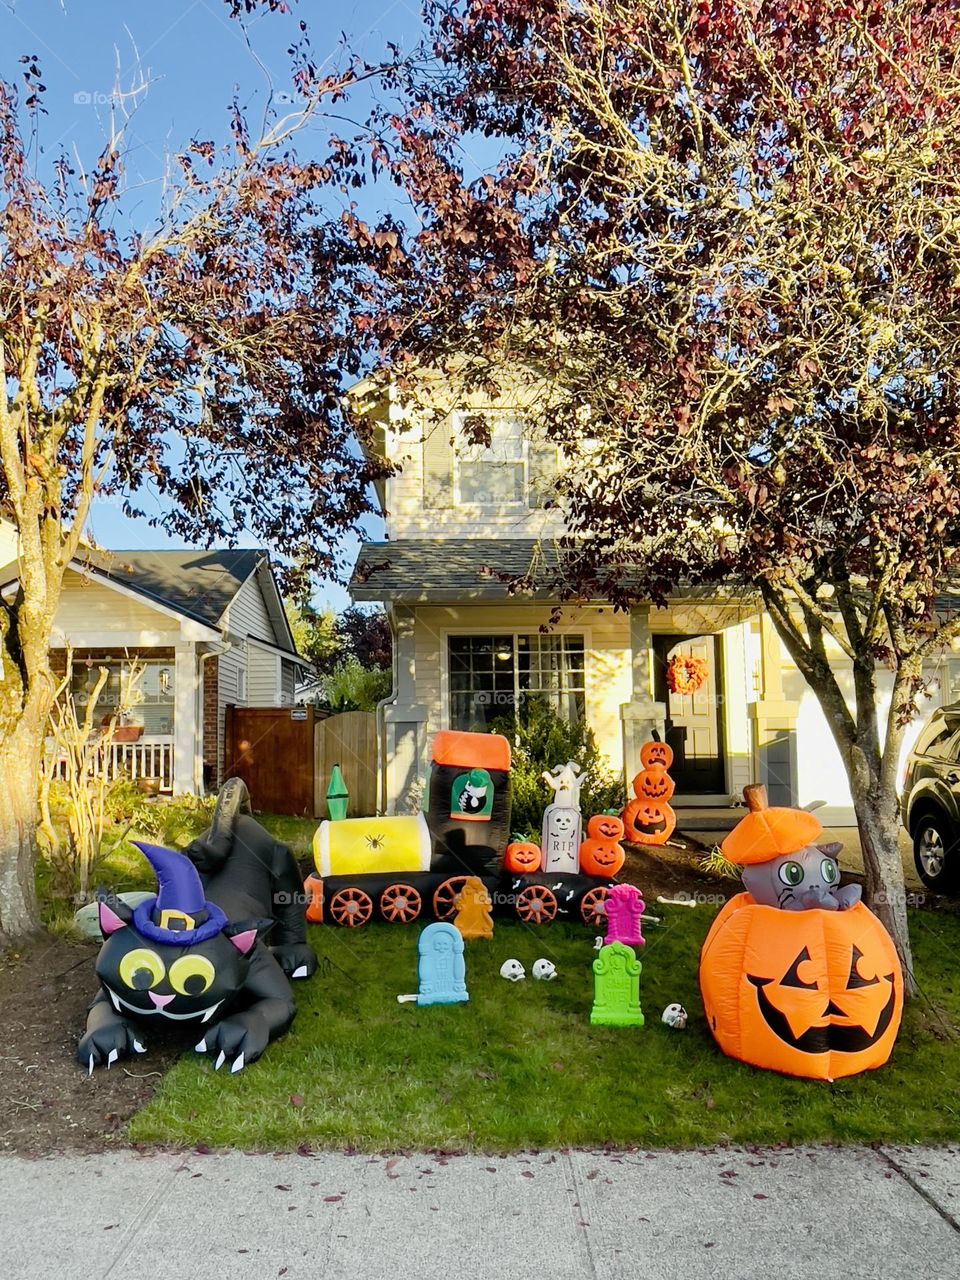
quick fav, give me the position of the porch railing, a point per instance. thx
(148, 757)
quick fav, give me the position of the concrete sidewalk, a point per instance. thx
(805, 1213)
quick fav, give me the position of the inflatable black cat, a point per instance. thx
(198, 952)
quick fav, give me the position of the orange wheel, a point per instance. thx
(446, 895)
(400, 903)
(536, 904)
(314, 887)
(593, 910)
(351, 908)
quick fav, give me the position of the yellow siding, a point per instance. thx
(607, 643)
(87, 605)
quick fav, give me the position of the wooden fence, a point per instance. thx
(285, 755)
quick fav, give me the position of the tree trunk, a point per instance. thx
(20, 755)
(879, 823)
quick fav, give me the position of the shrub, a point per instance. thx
(540, 739)
(352, 687)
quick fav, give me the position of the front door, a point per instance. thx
(693, 726)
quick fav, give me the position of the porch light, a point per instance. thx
(504, 655)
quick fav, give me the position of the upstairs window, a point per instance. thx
(492, 475)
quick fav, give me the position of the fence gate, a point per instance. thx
(272, 750)
(349, 740)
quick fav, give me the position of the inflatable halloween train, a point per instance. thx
(399, 868)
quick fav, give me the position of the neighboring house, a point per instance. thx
(209, 628)
(461, 518)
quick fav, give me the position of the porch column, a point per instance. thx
(774, 721)
(404, 720)
(185, 718)
(642, 714)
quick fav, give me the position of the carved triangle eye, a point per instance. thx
(792, 977)
(855, 980)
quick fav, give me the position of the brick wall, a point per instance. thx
(211, 742)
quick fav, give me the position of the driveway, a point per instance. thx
(809, 1214)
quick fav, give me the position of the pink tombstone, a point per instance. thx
(624, 906)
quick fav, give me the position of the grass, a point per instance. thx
(520, 1066)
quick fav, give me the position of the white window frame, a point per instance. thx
(490, 416)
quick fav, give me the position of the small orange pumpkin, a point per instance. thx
(649, 822)
(602, 854)
(522, 857)
(808, 993)
(767, 833)
(654, 784)
(653, 753)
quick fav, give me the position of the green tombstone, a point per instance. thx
(337, 796)
(616, 988)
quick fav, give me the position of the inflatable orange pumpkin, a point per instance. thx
(601, 853)
(768, 833)
(808, 993)
(648, 822)
(653, 784)
(522, 857)
(656, 753)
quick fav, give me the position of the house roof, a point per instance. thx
(450, 568)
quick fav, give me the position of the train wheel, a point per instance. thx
(400, 903)
(536, 904)
(446, 895)
(593, 910)
(351, 908)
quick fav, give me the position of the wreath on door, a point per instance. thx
(686, 674)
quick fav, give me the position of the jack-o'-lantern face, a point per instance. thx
(653, 784)
(522, 857)
(605, 826)
(656, 753)
(806, 1014)
(653, 822)
(810, 993)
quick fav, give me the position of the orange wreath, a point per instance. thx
(686, 674)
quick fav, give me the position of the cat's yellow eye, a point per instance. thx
(141, 970)
(192, 975)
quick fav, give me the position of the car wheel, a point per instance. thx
(935, 853)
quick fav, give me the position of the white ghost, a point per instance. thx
(512, 970)
(544, 970)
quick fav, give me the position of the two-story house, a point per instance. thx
(460, 518)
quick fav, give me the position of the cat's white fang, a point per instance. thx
(301, 972)
(211, 1011)
(116, 1000)
(238, 1065)
(220, 1061)
(201, 1047)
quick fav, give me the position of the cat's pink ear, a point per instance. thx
(110, 922)
(244, 942)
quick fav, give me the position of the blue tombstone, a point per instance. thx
(442, 971)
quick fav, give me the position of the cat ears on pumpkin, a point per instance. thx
(832, 849)
(113, 914)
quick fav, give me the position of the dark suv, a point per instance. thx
(930, 804)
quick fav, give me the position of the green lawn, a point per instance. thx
(520, 1066)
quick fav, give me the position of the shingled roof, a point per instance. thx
(450, 568)
(198, 584)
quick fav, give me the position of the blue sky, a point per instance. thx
(193, 58)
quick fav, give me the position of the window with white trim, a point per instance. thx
(492, 676)
(495, 474)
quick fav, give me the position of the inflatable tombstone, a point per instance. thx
(562, 832)
(796, 974)
(468, 801)
(196, 954)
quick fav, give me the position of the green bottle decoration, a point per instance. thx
(616, 980)
(337, 796)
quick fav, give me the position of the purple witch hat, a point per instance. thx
(179, 915)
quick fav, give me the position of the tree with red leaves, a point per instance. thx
(728, 233)
(200, 358)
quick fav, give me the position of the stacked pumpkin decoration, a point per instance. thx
(601, 854)
(649, 819)
(813, 991)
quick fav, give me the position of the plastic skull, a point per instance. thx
(674, 1015)
(544, 970)
(512, 970)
